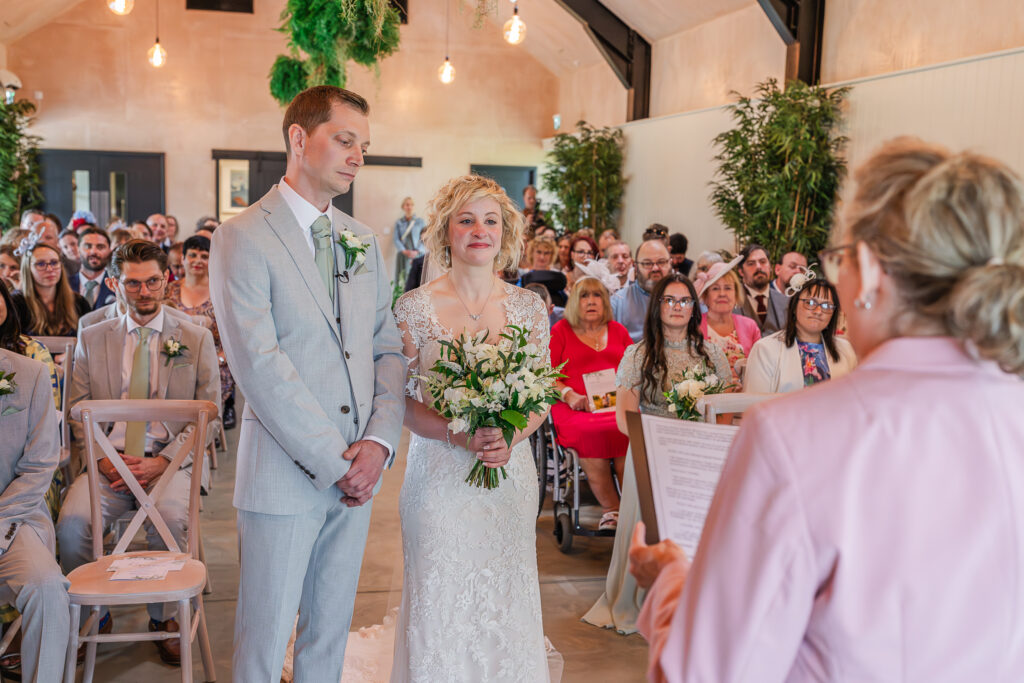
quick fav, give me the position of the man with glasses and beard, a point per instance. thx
(629, 304)
(765, 305)
(90, 280)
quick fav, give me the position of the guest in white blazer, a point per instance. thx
(807, 350)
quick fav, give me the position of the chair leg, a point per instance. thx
(90, 648)
(213, 456)
(223, 438)
(12, 631)
(204, 642)
(71, 660)
(185, 638)
(208, 588)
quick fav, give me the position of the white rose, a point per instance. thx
(361, 257)
(696, 389)
(711, 379)
(458, 425)
(5, 385)
(683, 388)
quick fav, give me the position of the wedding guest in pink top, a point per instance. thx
(721, 292)
(871, 528)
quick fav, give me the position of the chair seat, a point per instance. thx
(91, 584)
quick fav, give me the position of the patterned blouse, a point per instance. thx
(678, 359)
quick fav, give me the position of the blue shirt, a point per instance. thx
(629, 308)
(402, 226)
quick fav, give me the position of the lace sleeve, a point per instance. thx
(718, 360)
(628, 375)
(407, 315)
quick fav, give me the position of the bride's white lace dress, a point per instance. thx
(471, 597)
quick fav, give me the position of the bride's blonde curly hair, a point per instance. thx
(455, 194)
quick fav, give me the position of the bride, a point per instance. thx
(471, 598)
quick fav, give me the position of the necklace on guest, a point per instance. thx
(469, 312)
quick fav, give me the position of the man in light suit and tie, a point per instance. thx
(312, 343)
(129, 356)
(29, 576)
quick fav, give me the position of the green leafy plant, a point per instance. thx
(780, 167)
(585, 173)
(19, 162)
(329, 33)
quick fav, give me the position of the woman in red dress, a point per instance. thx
(589, 340)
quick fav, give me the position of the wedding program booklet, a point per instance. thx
(677, 465)
(600, 388)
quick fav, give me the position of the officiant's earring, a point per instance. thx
(865, 302)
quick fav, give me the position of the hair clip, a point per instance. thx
(800, 280)
(27, 245)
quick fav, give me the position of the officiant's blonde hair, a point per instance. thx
(455, 194)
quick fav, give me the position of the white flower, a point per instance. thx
(361, 257)
(696, 388)
(711, 379)
(458, 425)
(5, 385)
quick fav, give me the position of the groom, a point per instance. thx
(315, 349)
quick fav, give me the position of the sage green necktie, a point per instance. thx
(138, 387)
(324, 254)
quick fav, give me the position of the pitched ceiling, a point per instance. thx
(21, 17)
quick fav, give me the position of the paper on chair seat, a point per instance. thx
(143, 568)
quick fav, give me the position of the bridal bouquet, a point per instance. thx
(475, 384)
(695, 383)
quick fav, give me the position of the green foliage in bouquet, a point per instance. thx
(19, 162)
(696, 383)
(585, 173)
(780, 168)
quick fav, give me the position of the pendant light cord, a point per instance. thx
(447, 27)
(158, 21)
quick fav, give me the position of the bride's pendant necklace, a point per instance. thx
(458, 296)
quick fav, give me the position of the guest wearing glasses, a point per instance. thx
(582, 250)
(630, 304)
(868, 528)
(806, 351)
(46, 306)
(721, 292)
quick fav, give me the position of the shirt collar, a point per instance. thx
(304, 212)
(753, 292)
(156, 324)
(641, 290)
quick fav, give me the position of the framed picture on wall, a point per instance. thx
(232, 187)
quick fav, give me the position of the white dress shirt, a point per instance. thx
(83, 279)
(155, 431)
(306, 214)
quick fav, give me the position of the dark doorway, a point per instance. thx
(125, 184)
(256, 173)
(513, 178)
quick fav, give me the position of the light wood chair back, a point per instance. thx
(713, 405)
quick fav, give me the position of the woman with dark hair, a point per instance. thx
(582, 249)
(191, 295)
(46, 305)
(807, 351)
(671, 344)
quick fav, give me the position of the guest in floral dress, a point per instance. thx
(721, 291)
(192, 296)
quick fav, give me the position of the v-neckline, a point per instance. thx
(447, 332)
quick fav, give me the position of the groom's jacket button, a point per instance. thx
(347, 355)
(345, 410)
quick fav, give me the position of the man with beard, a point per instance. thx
(763, 304)
(90, 280)
(126, 358)
(629, 304)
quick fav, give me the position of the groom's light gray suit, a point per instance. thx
(316, 377)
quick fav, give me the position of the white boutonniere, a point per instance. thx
(173, 349)
(7, 384)
(354, 248)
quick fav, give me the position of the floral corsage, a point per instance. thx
(173, 349)
(354, 248)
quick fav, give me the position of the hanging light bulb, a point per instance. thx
(157, 55)
(446, 72)
(515, 28)
(120, 7)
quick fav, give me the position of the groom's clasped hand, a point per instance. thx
(368, 458)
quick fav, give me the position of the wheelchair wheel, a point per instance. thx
(563, 532)
(540, 459)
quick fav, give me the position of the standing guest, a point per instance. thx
(672, 344)
(46, 304)
(761, 303)
(90, 282)
(140, 231)
(157, 223)
(827, 554)
(191, 296)
(792, 262)
(176, 261)
(68, 241)
(406, 235)
(531, 211)
(720, 291)
(29, 576)
(588, 340)
(807, 350)
(629, 304)
(677, 246)
(564, 258)
(620, 262)
(608, 237)
(10, 266)
(208, 223)
(125, 358)
(120, 236)
(412, 281)
(172, 228)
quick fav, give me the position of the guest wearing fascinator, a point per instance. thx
(720, 290)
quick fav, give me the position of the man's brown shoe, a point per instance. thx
(170, 650)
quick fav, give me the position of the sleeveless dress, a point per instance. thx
(471, 597)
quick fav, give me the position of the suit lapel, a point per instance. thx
(113, 355)
(282, 222)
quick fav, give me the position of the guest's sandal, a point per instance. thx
(609, 521)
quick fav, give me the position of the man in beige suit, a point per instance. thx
(130, 357)
(29, 576)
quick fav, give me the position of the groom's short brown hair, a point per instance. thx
(312, 106)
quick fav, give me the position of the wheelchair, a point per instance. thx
(560, 467)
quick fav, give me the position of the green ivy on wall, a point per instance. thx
(585, 173)
(329, 33)
(19, 162)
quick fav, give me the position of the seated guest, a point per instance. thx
(47, 231)
(540, 253)
(192, 297)
(620, 262)
(46, 306)
(629, 304)
(172, 229)
(68, 241)
(207, 223)
(807, 351)
(176, 261)
(552, 280)
(157, 223)
(141, 231)
(546, 231)
(564, 259)
(720, 290)
(656, 231)
(672, 331)
(677, 246)
(30, 579)
(827, 549)
(90, 281)
(582, 250)
(608, 237)
(705, 260)
(792, 262)
(555, 313)
(761, 303)
(10, 266)
(126, 358)
(119, 236)
(590, 341)
(12, 339)
(30, 217)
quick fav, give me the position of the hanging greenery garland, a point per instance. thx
(329, 33)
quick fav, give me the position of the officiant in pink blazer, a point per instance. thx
(871, 528)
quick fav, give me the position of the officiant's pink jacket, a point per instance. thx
(870, 528)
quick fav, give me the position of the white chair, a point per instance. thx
(91, 585)
(713, 405)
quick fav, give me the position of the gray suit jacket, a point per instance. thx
(194, 375)
(778, 303)
(29, 449)
(316, 377)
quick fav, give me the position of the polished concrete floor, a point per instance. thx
(569, 586)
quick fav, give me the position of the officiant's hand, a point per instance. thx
(489, 447)
(368, 459)
(647, 561)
